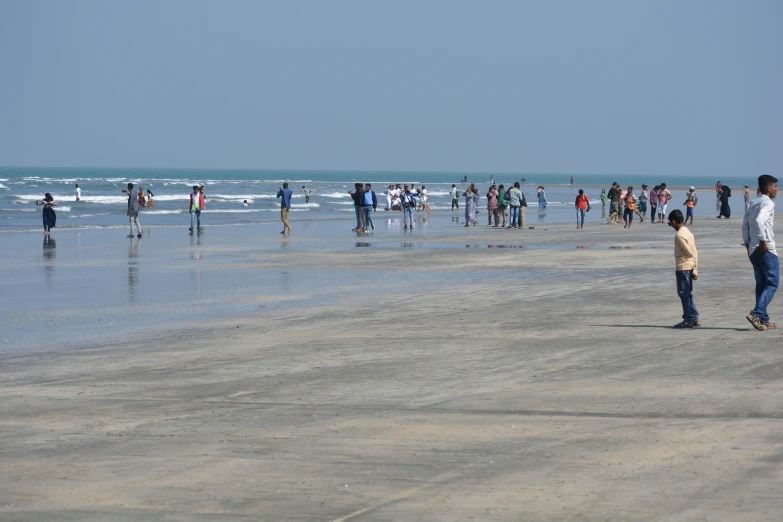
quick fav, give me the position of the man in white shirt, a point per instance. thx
(758, 237)
(78, 192)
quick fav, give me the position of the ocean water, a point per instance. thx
(103, 205)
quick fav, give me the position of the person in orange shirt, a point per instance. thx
(581, 204)
(630, 206)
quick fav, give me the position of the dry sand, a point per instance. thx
(553, 390)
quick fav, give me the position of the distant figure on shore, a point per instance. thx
(614, 204)
(142, 197)
(491, 179)
(541, 193)
(195, 207)
(686, 260)
(603, 199)
(424, 198)
(644, 197)
(454, 197)
(572, 180)
(654, 202)
(245, 204)
(306, 193)
(758, 236)
(369, 206)
(725, 210)
(718, 188)
(133, 210)
(389, 193)
(663, 199)
(49, 215)
(78, 193)
(357, 194)
(502, 205)
(471, 202)
(582, 203)
(523, 180)
(630, 207)
(285, 206)
(690, 203)
(150, 199)
(746, 195)
(514, 206)
(407, 203)
(492, 206)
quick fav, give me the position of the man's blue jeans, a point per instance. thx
(407, 216)
(195, 219)
(368, 217)
(685, 290)
(580, 217)
(359, 217)
(513, 216)
(766, 268)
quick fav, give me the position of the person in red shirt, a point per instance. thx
(582, 205)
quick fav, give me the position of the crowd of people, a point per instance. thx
(510, 205)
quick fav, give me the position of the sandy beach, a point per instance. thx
(448, 374)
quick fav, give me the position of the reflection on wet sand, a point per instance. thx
(133, 269)
(49, 256)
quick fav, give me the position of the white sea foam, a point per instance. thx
(3, 186)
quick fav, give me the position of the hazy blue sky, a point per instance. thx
(674, 87)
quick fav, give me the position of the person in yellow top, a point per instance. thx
(630, 206)
(687, 264)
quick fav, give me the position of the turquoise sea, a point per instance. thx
(103, 205)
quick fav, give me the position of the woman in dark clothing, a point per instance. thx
(49, 216)
(725, 194)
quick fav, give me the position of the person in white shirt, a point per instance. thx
(758, 237)
(78, 192)
(454, 197)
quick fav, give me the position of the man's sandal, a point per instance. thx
(756, 322)
(770, 326)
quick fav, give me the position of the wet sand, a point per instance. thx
(474, 374)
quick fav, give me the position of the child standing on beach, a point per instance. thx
(687, 265)
(49, 215)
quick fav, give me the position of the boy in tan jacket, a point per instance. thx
(687, 264)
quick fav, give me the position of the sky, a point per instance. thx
(553, 86)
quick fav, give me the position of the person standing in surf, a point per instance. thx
(195, 208)
(133, 210)
(49, 215)
(285, 205)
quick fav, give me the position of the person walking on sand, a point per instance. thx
(663, 199)
(370, 205)
(758, 236)
(49, 215)
(686, 260)
(746, 195)
(614, 204)
(630, 206)
(133, 210)
(502, 205)
(471, 202)
(603, 199)
(581, 204)
(408, 203)
(572, 180)
(78, 193)
(195, 206)
(424, 201)
(644, 197)
(454, 197)
(690, 202)
(492, 206)
(285, 206)
(725, 194)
